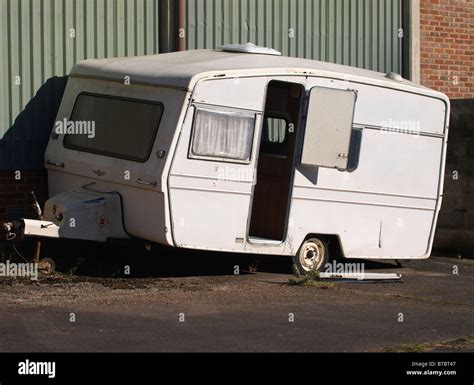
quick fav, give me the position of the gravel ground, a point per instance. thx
(193, 308)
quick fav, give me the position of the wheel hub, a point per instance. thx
(311, 256)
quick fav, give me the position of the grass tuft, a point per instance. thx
(312, 279)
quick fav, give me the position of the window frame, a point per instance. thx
(111, 154)
(192, 155)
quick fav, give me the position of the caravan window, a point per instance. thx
(274, 130)
(122, 128)
(274, 136)
(223, 134)
(354, 149)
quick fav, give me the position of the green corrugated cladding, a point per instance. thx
(40, 42)
(361, 33)
(42, 39)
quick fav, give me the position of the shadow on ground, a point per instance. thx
(115, 260)
(92, 259)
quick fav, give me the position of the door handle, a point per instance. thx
(144, 182)
(61, 164)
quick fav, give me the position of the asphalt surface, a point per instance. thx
(215, 310)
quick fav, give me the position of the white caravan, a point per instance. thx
(243, 150)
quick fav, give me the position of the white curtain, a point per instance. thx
(223, 134)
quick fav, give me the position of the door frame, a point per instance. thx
(296, 156)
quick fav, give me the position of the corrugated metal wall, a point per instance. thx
(40, 41)
(361, 33)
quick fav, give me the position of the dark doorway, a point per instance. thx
(272, 193)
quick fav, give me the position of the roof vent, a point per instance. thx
(249, 48)
(394, 76)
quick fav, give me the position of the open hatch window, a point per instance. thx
(328, 128)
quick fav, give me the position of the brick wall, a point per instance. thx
(15, 194)
(447, 46)
(447, 65)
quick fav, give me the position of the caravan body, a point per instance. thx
(249, 153)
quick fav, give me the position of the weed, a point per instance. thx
(312, 279)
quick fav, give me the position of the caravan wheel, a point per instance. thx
(46, 266)
(312, 256)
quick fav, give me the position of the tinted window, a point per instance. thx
(354, 149)
(123, 128)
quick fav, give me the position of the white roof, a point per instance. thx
(183, 69)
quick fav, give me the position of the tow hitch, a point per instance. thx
(83, 214)
(19, 229)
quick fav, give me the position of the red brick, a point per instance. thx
(446, 42)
